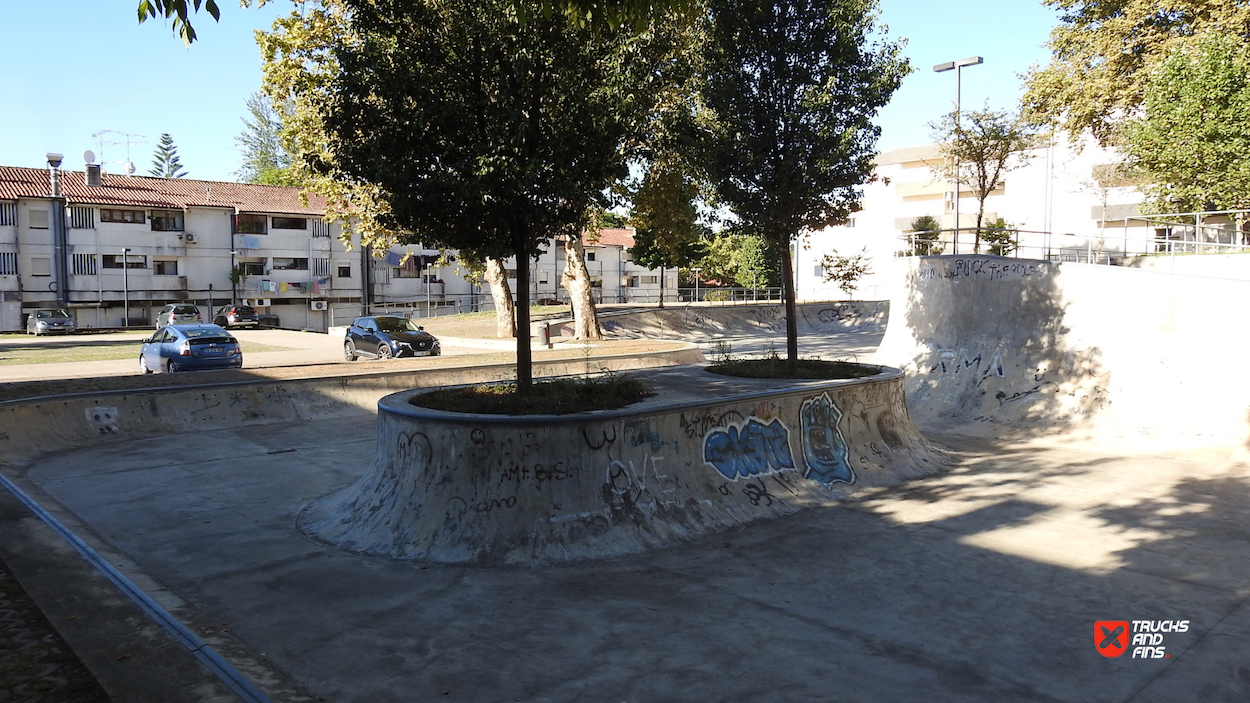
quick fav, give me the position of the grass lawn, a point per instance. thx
(20, 349)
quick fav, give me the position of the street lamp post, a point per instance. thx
(234, 279)
(696, 271)
(940, 68)
(125, 287)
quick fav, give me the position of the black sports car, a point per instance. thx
(385, 337)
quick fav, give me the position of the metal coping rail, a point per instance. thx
(200, 649)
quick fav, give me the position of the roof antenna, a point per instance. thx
(208, 195)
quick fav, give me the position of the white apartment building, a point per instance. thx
(105, 245)
(1066, 202)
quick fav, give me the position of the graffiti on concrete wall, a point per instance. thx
(954, 361)
(824, 449)
(747, 449)
(991, 269)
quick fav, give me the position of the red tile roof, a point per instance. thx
(146, 191)
(613, 237)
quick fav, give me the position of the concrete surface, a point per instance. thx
(994, 345)
(690, 461)
(981, 583)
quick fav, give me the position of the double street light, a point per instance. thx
(942, 68)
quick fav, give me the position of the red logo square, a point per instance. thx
(1111, 637)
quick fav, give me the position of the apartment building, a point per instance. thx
(113, 249)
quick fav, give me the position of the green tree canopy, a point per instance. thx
(979, 148)
(165, 161)
(1103, 51)
(265, 159)
(453, 122)
(794, 88)
(1192, 141)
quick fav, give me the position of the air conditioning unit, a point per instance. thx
(188, 237)
(318, 305)
(257, 302)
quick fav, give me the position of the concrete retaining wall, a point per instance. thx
(702, 323)
(481, 489)
(32, 428)
(993, 345)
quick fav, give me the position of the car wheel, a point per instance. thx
(172, 366)
(349, 350)
(384, 351)
(143, 364)
(220, 322)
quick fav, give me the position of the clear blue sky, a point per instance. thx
(77, 67)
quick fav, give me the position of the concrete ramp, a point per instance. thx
(994, 345)
(704, 323)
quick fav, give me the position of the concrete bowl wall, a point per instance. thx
(490, 490)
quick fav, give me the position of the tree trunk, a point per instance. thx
(976, 247)
(505, 321)
(524, 356)
(576, 280)
(787, 286)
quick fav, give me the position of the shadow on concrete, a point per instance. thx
(987, 349)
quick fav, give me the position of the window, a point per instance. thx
(126, 216)
(651, 279)
(166, 220)
(38, 219)
(820, 270)
(133, 261)
(282, 263)
(8, 214)
(321, 267)
(8, 263)
(40, 266)
(290, 223)
(631, 282)
(510, 273)
(165, 267)
(404, 272)
(345, 271)
(590, 256)
(850, 222)
(82, 218)
(251, 224)
(84, 264)
(320, 228)
(252, 268)
(543, 278)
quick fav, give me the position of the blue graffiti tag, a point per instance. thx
(750, 450)
(824, 450)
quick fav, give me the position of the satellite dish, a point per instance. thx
(129, 168)
(88, 156)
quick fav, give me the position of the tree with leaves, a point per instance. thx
(846, 271)
(462, 126)
(165, 161)
(668, 232)
(608, 13)
(1191, 142)
(926, 232)
(1103, 53)
(265, 160)
(1001, 236)
(979, 148)
(794, 88)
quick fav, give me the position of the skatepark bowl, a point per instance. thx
(732, 539)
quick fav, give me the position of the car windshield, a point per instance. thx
(185, 310)
(396, 324)
(243, 310)
(41, 314)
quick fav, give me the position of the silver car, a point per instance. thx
(49, 321)
(178, 315)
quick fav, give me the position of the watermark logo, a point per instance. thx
(1111, 637)
(1143, 638)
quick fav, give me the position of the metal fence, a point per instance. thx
(1108, 246)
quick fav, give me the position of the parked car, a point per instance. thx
(49, 321)
(178, 315)
(190, 347)
(236, 316)
(384, 337)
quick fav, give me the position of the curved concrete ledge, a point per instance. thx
(36, 427)
(491, 490)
